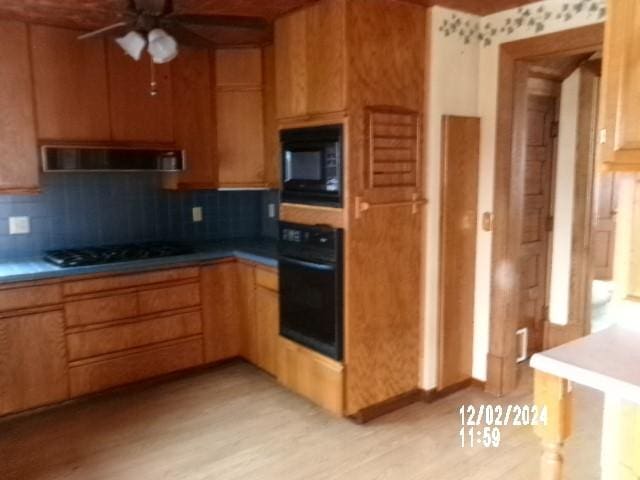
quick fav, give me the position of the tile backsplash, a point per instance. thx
(77, 209)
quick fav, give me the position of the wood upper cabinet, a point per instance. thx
(239, 117)
(310, 48)
(70, 84)
(33, 363)
(621, 95)
(19, 171)
(192, 75)
(136, 115)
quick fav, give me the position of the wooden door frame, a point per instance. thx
(508, 187)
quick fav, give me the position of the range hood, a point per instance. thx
(73, 158)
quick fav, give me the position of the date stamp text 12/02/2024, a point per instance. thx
(480, 425)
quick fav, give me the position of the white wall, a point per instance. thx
(563, 201)
(450, 87)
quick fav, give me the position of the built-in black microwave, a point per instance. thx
(312, 165)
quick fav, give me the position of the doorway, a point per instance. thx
(542, 198)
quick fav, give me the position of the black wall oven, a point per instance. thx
(312, 165)
(311, 287)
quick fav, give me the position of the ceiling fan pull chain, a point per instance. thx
(153, 84)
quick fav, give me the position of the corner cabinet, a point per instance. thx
(19, 171)
(620, 134)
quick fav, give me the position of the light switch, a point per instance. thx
(272, 210)
(19, 225)
(196, 213)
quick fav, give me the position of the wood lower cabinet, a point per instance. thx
(621, 97)
(221, 319)
(134, 366)
(311, 375)
(267, 323)
(33, 362)
(19, 166)
(63, 339)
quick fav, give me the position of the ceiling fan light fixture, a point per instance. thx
(133, 43)
(161, 46)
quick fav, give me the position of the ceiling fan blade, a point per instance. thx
(184, 36)
(108, 30)
(236, 21)
(153, 7)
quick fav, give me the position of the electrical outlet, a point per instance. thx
(19, 225)
(272, 210)
(196, 214)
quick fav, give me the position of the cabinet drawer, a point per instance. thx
(144, 332)
(29, 297)
(169, 298)
(267, 278)
(103, 309)
(128, 281)
(97, 376)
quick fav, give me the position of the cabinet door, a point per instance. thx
(239, 118)
(621, 76)
(136, 115)
(18, 150)
(193, 113)
(310, 49)
(33, 363)
(222, 328)
(246, 309)
(267, 328)
(70, 84)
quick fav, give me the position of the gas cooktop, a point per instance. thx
(76, 257)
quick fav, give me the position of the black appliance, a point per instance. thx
(77, 257)
(311, 288)
(312, 165)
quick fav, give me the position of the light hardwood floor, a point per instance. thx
(236, 422)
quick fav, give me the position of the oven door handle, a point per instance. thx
(326, 267)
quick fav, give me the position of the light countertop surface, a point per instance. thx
(262, 251)
(608, 361)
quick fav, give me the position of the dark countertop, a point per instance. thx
(261, 250)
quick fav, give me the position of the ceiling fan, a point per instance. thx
(154, 25)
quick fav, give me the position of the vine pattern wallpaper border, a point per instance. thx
(533, 19)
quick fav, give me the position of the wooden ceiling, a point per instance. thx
(93, 14)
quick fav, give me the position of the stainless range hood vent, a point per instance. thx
(57, 158)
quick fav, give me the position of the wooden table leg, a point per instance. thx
(553, 393)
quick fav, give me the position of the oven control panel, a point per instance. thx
(302, 241)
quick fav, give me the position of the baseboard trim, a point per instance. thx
(392, 404)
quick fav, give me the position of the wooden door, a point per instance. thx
(70, 84)
(18, 149)
(460, 157)
(239, 118)
(536, 221)
(33, 363)
(604, 234)
(267, 328)
(136, 115)
(192, 75)
(621, 76)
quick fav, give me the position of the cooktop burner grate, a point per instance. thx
(76, 257)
